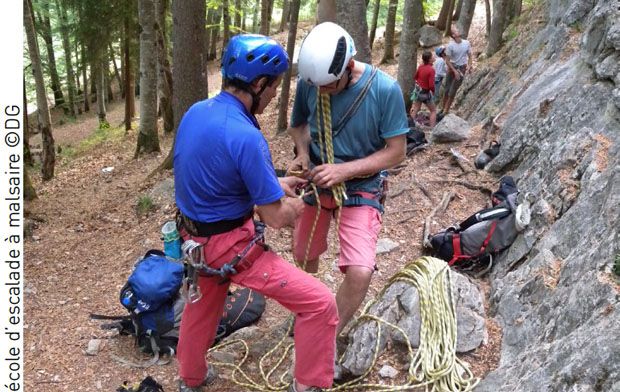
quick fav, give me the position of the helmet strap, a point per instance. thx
(256, 96)
(349, 77)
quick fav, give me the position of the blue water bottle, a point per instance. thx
(172, 240)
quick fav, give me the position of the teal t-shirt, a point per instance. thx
(380, 116)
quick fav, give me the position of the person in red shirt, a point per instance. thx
(425, 87)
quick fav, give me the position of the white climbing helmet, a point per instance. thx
(325, 53)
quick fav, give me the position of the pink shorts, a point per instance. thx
(358, 234)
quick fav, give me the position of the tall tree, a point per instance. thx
(390, 26)
(226, 22)
(407, 60)
(128, 72)
(351, 15)
(326, 11)
(27, 154)
(448, 27)
(498, 24)
(514, 9)
(45, 29)
(467, 14)
(29, 192)
(237, 18)
(286, 83)
(164, 75)
(215, 35)
(457, 10)
(188, 76)
(84, 63)
(375, 18)
(117, 73)
(64, 28)
(49, 154)
(487, 9)
(286, 10)
(265, 17)
(148, 140)
(442, 19)
(255, 16)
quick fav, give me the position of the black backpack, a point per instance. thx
(471, 245)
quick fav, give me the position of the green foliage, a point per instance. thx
(432, 8)
(616, 267)
(145, 205)
(511, 32)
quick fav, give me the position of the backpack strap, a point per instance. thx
(456, 249)
(356, 103)
(488, 238)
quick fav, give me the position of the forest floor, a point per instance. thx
(88, 231)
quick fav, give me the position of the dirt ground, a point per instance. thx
(87, 235)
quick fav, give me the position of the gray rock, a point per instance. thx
(385, 245)
(387, 371)
(429, 36)
(451, 129)
(94, 345)
(400, 305)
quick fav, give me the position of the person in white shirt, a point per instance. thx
(440, 70)
(458, 59)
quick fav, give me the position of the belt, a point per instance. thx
(207, 229)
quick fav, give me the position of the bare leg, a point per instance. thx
(351, 293)
(414, 109)
(433, 115)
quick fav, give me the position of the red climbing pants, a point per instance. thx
(311, 301)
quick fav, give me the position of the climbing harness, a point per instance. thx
(194, 260)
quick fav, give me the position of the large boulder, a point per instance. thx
(429, 36)
(451, 129)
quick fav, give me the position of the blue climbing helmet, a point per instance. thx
(439, 50)
(249, 56)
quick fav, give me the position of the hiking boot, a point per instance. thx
(291, 388)
(208, 380)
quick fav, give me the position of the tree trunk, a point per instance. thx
(85, 80)
(487, 9)
(407, 60)
(28, 161)
(351, 15)
(286, 9)
(117, 74)
(390, 25)
(467, 14)
(517, 8)
(449, 19)
(265, 18)
(215, 34)
(148, 139)
(237, 16)
(128, 74)
(375, 18)
(64, 28)
(326, 11)
(457, 10)
(101, 91)
(49, 153)
(188, 77)
(286, 83)
(443, 15)
(29, 192)
(498, 24)
(108, 80)
(164, 75)
(45, 29)
(226, 22)
(255, 17)
(243, 20)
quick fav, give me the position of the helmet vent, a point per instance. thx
(250, 57)
(340, 54)
(264, 59)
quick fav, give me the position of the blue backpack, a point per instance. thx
(151, 295)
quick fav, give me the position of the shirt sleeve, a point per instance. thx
(394, 115)
(300, 113)
(256, 168)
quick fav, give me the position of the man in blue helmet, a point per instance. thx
(223, 174)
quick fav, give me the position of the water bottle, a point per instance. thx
(172, 240)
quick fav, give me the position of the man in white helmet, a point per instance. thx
(368, 126)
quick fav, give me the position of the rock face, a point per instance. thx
(400, 305)
(553, 292)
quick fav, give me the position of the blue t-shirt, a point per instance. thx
(380, 116)
(222, 163)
